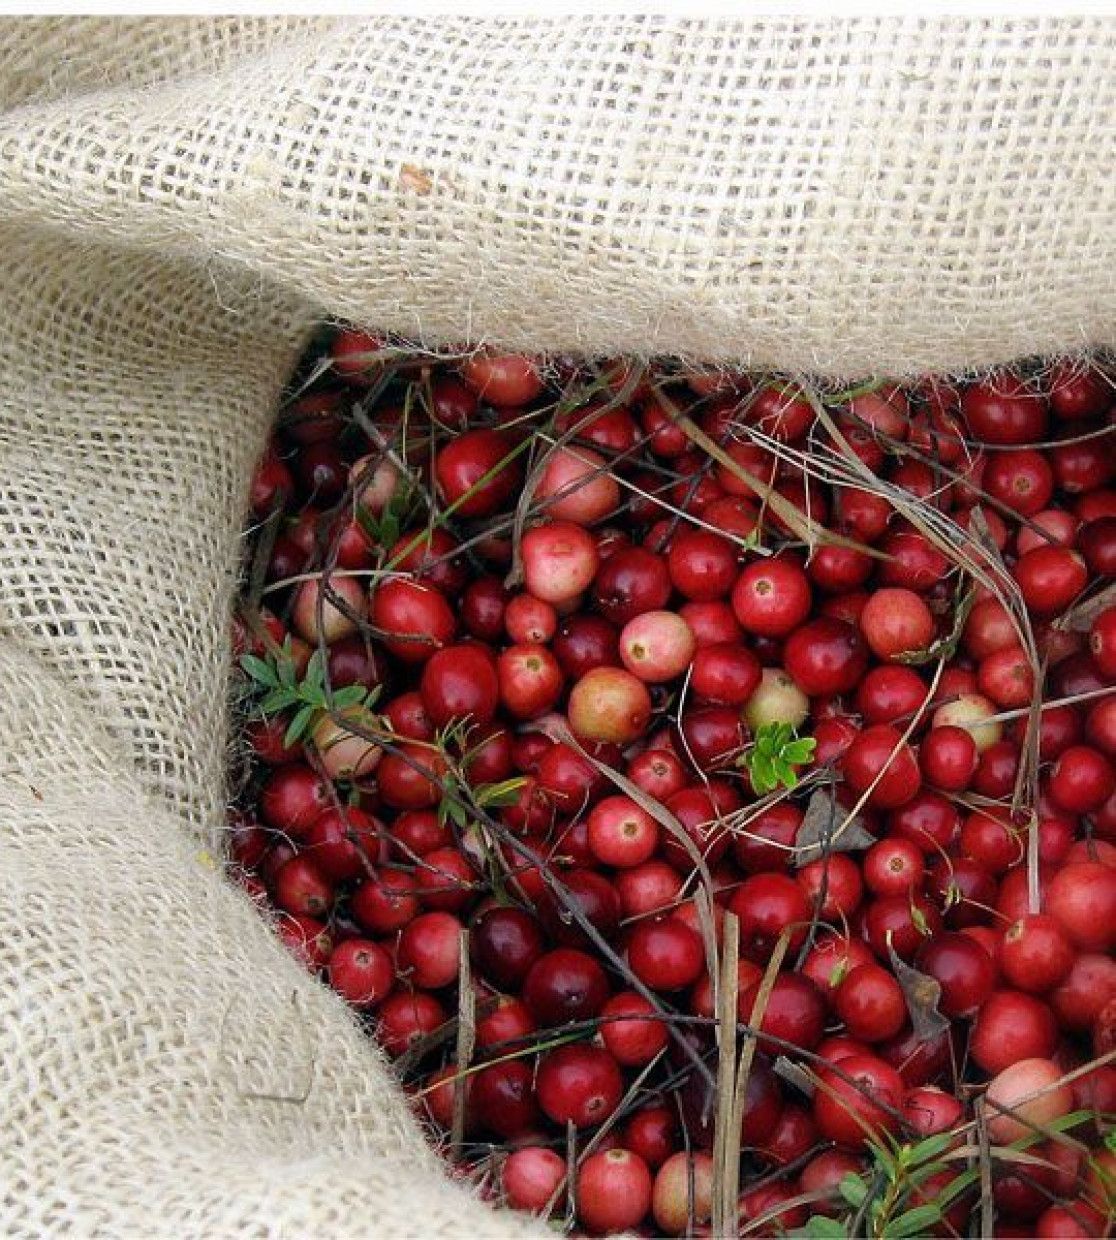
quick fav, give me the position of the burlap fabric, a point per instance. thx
(179, 201)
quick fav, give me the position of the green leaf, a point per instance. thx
(918, 920)
(774, 754)
(277, 700)
(261, 671)
(944, 647)
(801, 751)
(818, 1227)
(458, 813)
(501, 794)
(785, 773)
(958, 1185)
(315, 671)
(885, 1158)
(921, 1173)
(351, 695)
(930, 1148)
(299, 724)
(285, 665)
(853, 1189)
(914, 1222)
(762, 773)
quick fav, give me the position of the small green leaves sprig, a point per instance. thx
(483, 796)
(773, 756)
(386, 529)
(884, 1201)
(309, 697)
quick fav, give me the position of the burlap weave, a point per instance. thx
(179, 200)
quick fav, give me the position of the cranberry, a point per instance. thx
(445, 880)
(385, 903)
(343, 843)
(1082, 780)
(839, 570)
(587, 891)
(890, 694)
(665, 954)
(989, 837)
(880, 760)
(361, 972)
(477, 472)
(904, 922)
(622, 834)
(564, 985)
(766, 905)
(858, 1098)
(404, 1017)
(895, 621)
(1011, 1026)
(893, 867)
(658, 646)
(609, 704)
(1002, 410)
(963, 970)
(306, 938)
(914, 563)
(505, 943)
(300, 887)
(711, 623)
(832, 958)
(792, 1138)
(1036, 954)
(410, 777)
(1022, 480)
(702, 565)
(483, 606)
(712, 735)
(531, 1176)
(795, 1012)
(683, 1192)
(825, 656)
(502, 379)
(292, 798)
(629, 583)
(766, 842)
(833, 885)
(578, 1084)
(1081, 897)
(780, 412)
(507, 1023)
(529, 678)
(1050, 578)
(771, 597)
(630, 1031)
(658, 772)
(559, 561)
(652, 1133)
(414, 620)
(584, 642)
(503, 1098)
(613, 1191)
(575, 485)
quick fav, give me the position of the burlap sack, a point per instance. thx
(179, 200)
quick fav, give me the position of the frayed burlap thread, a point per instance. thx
(179, 201)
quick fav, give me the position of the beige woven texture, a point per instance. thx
(179, 200)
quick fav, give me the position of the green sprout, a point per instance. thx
(773, 756)
(310, 698)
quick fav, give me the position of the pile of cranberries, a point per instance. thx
(563, 607)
